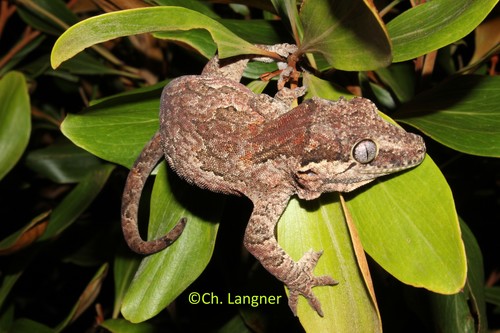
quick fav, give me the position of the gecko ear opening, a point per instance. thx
(308, 182)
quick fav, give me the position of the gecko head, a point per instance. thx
(349, 145)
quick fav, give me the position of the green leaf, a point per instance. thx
(25, 236)
(452, 314)
(93, 251)
(13, 271)
(349, 34)
(84, 64)
(22, 54)
(257, 86)
(382, 96)
(145, 92)
(457, 313)
(104, 27)
(118, 128)
(475, 279)
(15, 120)
(255, 69)
(462, 113)
(7, 317)
(407, 223)
(492, 295)
(124, 268)
(68, 210)
(50, 16)
(124, 326)
(75, 203)
(87, 297)
(323, 89)
(434, 24)
(287, 9)
(198, 39)
(400, 78)
(62, 162)
(257, 31)
(196, 5)
(320, 225)
(26, 325)
(253, 31)
(161, 277)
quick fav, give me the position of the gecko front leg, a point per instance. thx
(260, 240)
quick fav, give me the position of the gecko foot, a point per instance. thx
(288, 95)
(305, 281)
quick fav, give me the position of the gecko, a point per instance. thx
(219, 135)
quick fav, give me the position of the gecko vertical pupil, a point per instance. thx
(365, 151)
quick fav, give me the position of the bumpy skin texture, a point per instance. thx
(219, 135)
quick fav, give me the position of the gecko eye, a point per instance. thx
(365, 151)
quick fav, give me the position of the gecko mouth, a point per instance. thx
(380, 170)
(377, 170)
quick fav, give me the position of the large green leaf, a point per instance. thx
(462, 113)
(435, 24)
(104, 27)
(163, 276)
(349, 34)
(62, 162)
(253, 31)
(320, 225)
(408, 224)
(15, 120)
(118, 128)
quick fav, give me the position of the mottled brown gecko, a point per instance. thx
(216, 133)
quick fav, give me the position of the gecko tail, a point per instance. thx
(145, 163)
